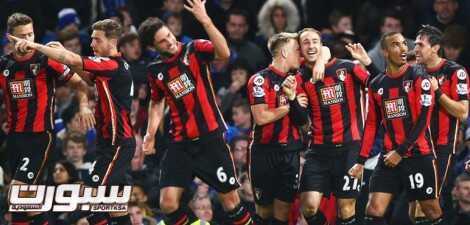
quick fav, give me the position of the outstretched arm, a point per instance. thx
(198, 9)
(61, 55)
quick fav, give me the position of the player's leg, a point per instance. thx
(420, 175)
(262, 182)
(346, 188)
(316, 179)
(286, 185)
(28, 163)
(384, 183)
(214, 165)
(109, 169)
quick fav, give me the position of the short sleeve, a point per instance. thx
(61, 71)
(156, 94)
(459, 85)
(204, 49)
(257, 90)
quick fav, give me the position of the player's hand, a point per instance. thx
(288, 87)
(55, 44)
(22, 46)
(356, 171)
(434, 83)
(392, 159)
(358, 52)
(303, 100)
(318, 72)
(467, 166)
(149, 144)
(86, 117)
(198, 9)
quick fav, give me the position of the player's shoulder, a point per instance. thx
(155, 65)
(417, 71)
(259, 78)
(377, 81)
(453, 67)
(345, 63)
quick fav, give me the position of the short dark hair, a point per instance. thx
(307, 29)
(455, 36)
(278, 40)
(391, 14)
(335, 17)
(462, 178)
(433, 33)
(147, 30)
(71, 170)
(111, 28)
(75, 137)
(383, 39)
(242, 103)
(17, 19)
(68, 34)
(237, 12)
(127, 38)
(238, 138)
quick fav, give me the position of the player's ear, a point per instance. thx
(436, 48)
(283, 53)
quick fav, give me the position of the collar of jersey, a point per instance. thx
(438, 67)
(277, 71)
(400, 72)
(175, 56)
(330, 63)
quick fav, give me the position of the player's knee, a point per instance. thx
(375, 209)
(432, 211)
(168, 204)
(229, 200)
(309, 210)
(346, 209)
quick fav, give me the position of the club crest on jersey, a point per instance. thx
(276, 87)
(461, 74)
(380, 91)
(181, 86)
(407, 84)
(21, 89)
(34, 68)
(126, 66)
(6, 73)
(341, 73)
(332, 94)
(395, 108)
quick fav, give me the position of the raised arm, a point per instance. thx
(198, 9)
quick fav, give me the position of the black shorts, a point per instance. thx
(111, 164)
(28, 155)
(444, 164)
(274, 174)
(329, 173)
(207, 158)
(418, 176)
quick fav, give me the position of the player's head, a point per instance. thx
(105, 36)
(153, 32)
(427, 44)
(20, 25)
(394, 48)
(285, 45)
(310, 44)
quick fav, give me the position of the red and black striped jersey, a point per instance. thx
(185, 82)
(265, 87)
(113, 81)
(403, 103)
(28, 87)
(336, 103)
(453, 82)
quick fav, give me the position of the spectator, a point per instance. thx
(390, 22)
(202, 208)
(136, 212)
(75, 150)
(64, 173)
(239, 73)
(340, 22)
(454, 43)
(446, 14)
(241, 116)
(126, 21)
(130, 48)
(237, 28)
(239, 147)
(175, 24)
(274, 17)
(461, 194)
(70, 39)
